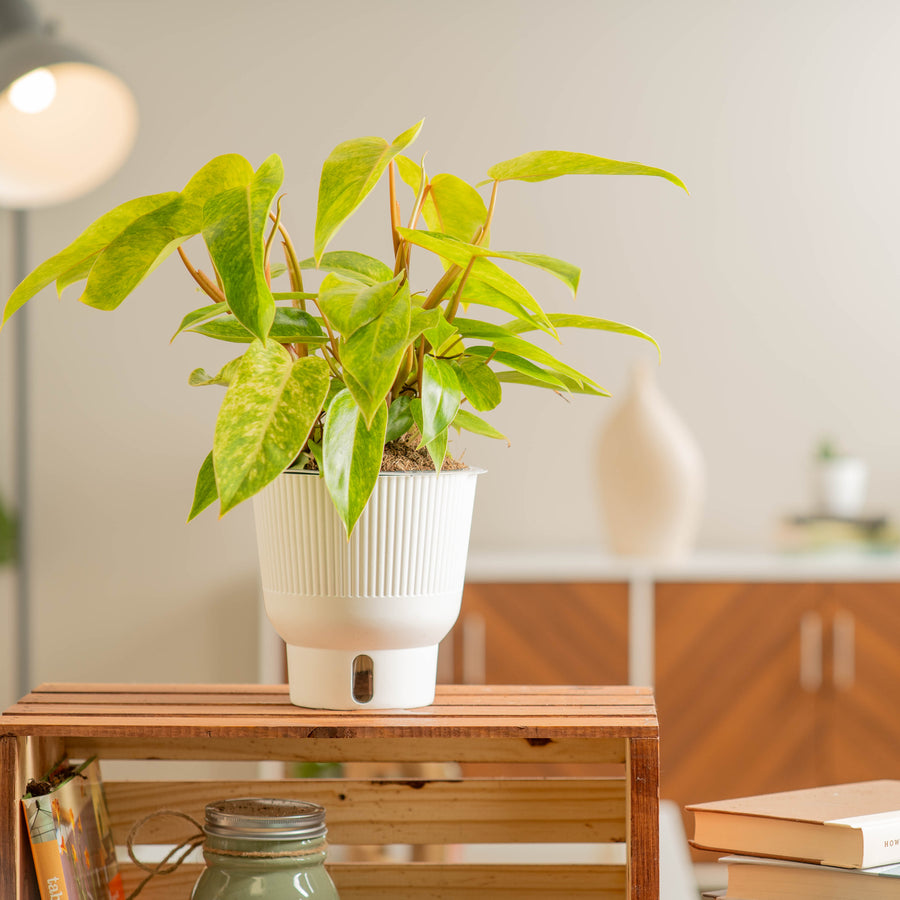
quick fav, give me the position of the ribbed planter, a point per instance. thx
(362, 619)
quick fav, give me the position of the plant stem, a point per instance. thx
(268, 246)
(441, 288)
(206, 285)
(395, 209)
(453, 305)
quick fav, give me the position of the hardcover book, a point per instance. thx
(848, 825)
(769, 879)
(71, 839)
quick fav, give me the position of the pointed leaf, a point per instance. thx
(437, 448)
(265, 419)
(348, 175)
(348, 305)
(441, 397)
(571, 387)
(81, 253)
(357, 266)
(478, 383)
(518, 364)
(372, 355)
(444, 338)
(543, 164)
(203, 314)
(234, 225)
(399, 420)
(477, 425)
(421, 320)
(223, 173)
(483, 294)
(352, 452)
(227, 374)
(290, 326)
(205, 491)
(565, 320)
(459, 252)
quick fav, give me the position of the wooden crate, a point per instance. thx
(602, 726)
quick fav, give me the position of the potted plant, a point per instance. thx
(330, 378)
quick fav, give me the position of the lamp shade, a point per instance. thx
(66, 123)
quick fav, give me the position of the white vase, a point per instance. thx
(650, 475)
(840, 486)
(362, 618)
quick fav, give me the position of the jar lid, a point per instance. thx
(265, 819)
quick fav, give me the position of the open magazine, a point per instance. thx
(71, 839)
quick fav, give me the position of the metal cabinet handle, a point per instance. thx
(844, 647)
(811, 651)
(474, 649)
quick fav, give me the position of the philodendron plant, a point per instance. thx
(338, 372)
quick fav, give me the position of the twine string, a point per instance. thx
(191, 843)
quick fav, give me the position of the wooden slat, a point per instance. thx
(505, 750)
(428, 881)
(643, 819)
(431, 881)
(400, 811)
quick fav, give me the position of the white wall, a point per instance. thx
(771, 288)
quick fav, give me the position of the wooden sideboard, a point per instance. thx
(770, 672)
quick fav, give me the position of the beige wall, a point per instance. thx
(772, 288)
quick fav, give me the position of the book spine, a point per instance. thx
(48, 866)
(881, 844)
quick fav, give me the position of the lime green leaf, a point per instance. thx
(200, 377)
(348, 305)
(265, 419)
(566, 320)
(421, 320)
(483, 294)
(543, 164)
(348, 175)
(572, 387)
(459, 252)
(399, 420)
(444, 338)
(223, 173)
(234, 225)
(519, 364)
(352, 456)
(203, 314)
(357, 266)
(290, 326)
(205, 491)
(293, 295)
(437, 448)
(371, 356)
(477, 425)
(441, 397)
(478, 383)
(79, 256)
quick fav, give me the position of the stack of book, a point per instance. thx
(840, 842)
(832, 534)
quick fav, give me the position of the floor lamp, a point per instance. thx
(66, 125)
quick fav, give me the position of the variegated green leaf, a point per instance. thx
(478, 383)
(205, 492)
(371, 356)
(203, 314)
(566, 320)
(223, 173)
(470, 422)
(399, 420)
(234, 225)
(421, 320)
(543, 164)
(80, 255)
(444, 338)
(200, 377)
(348, 175)
(357, 266)
(571, 387)
(437, 447)
(352, 456)
(483, 294)
(265, 419)
(348, 305)
(290, 326)
(460, 253)
(518, 364)
(441, 397)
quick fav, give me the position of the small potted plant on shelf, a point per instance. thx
(362, 569)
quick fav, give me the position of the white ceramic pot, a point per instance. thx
(362, 619)
(841, 486)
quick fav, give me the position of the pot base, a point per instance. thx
(362, 679)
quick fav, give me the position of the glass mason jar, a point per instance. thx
(264, 850)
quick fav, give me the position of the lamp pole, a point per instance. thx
(22, 457)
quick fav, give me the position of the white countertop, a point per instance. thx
(589, 565)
